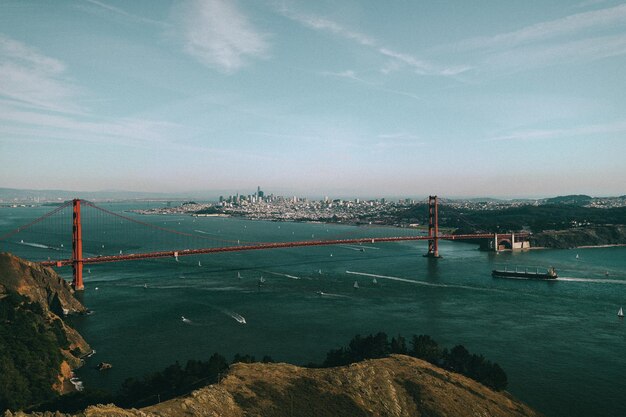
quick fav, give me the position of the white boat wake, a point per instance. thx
(283, 275)
(596, 281)
(206, 233)
(238, 317)
(426, 284)
(37, 245)
(330, 294)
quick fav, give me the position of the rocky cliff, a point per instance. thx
(397, 386)
(55, 296)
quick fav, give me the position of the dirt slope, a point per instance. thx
(396, 386)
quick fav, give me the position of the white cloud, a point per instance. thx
(351, 75)
(583, 50)
(398, 140)
(550, 134)
(398, 136)
(29, 123)
(37, 100)
(32, 79)
(218, 35)
(577, 38)
(124, 13)
(319, 23)
(419, 66)
(568, 25)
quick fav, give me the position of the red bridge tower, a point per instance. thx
(433, 228)
(77, 248)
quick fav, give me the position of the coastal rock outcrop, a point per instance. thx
(54, 295)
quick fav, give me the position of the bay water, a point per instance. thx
(560, 343)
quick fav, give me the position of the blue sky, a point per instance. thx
(354, 98)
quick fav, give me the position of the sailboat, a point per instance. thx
(199, 263)
(239, 275)
(356, 285)
(577, 257)
(620, 313)
(374, 281)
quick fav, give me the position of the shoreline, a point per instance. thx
(362, 224)
(611, 245)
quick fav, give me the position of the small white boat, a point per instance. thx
(356, 285)
(199, 263)
(185, 320)
(239, 275)
(319, 271)
(620, 313)
(145, 286)
(374, 281)
(577, 257)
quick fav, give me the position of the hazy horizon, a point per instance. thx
(208, 195)
(357, 98)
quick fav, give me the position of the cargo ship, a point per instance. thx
(550, 274)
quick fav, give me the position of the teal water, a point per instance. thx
(560, 343)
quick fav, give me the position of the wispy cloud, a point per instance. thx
(351, 75)
(398, 136)
(322, 24)
(537, 56)
(121, 12)
(32, 79)
(594, 130)
(25, 123)
(398, 140)
(576, 38)
(568, 25)
(588, 3)
(39, 100)
(420, 66)
(219, 35)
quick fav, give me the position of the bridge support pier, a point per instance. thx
(433, 228)
(77, 248)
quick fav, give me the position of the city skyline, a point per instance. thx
(359, 98)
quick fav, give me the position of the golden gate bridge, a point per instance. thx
(78, 259)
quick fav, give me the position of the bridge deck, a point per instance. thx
(261, 246)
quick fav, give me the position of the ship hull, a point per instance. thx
(524, 275)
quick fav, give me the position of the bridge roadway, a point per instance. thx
(260, 246)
